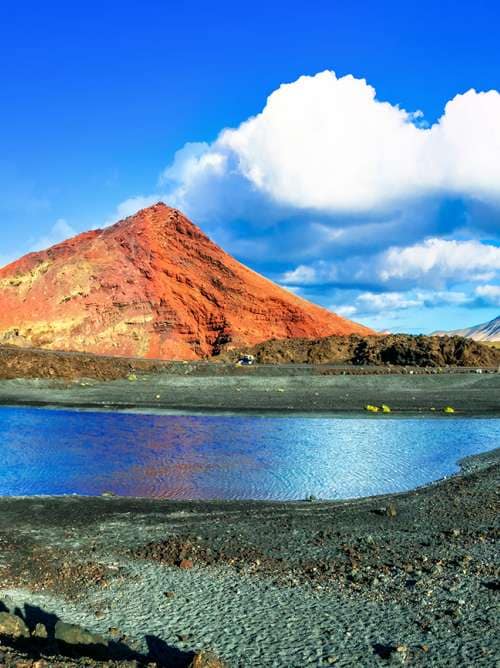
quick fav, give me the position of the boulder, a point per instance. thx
(207, 659)
(40, 631)
(72, 634)
(13, 626)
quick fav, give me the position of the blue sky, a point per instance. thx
(389, 216)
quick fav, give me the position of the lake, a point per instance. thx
(230, 457)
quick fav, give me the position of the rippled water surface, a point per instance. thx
(225, 457)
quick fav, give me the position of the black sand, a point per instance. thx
(287, 388)
(409, 579)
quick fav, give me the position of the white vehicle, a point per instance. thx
(246, 360)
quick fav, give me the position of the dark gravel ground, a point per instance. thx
(286, 389)
(412, 579)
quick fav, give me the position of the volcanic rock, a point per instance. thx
(207, 659)
(72, 634)
(390, 351)
(13, 626)
(152, 285)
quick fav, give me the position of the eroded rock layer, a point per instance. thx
(152, 285)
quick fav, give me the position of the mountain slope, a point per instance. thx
(487, 331)
(152, 285)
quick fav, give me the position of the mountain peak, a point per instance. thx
(151, 285)
(156, 215)
(486, 331)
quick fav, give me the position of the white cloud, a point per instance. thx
(307, 275)
(351, 191)
(434, 263)
(326, 156)
(345, 310)
(130, 206)
(60, 231)
(369, 302)
(192, 159)
(489, 294)
(295, 289)
(328, 144)
(443, 298)
(438, 260)
(386, 304)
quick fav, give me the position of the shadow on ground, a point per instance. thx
(50, 648)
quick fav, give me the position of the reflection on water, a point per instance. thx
(64, 452)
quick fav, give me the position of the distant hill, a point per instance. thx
(154, 286)
(487, 331)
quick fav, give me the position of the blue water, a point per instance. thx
(205, 457)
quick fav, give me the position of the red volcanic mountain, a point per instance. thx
(152, 285)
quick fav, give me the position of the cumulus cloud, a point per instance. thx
(327, 143)
(295, 289)
(331, 186)
(369, 302)
(131, 206)
(437, 260)
(443, 298)
(434, 263)
(59, 231)
(488, 294)
(346, 310)
(327, 155)
(387, 303)
(329, 173)
(304, 275)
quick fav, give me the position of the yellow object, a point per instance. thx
(132, 377)
(385, 408)
(448, 409)
(372, 409)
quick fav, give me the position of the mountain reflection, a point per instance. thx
(64, 452)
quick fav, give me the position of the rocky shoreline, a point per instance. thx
(407, 579)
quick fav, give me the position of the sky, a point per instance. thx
(350, 151)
